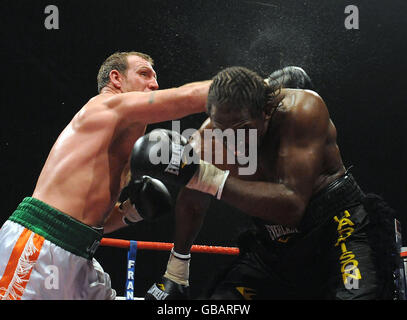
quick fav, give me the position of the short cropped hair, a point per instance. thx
(239, 88)
(291, 78)
(117, 61)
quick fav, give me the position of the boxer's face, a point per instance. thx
(140, 76)
(223, 118)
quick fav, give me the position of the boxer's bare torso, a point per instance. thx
(276, 146)
(297, 157)
(83, 174)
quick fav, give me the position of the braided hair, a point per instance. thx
(238, 88)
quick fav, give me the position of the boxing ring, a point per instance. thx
(133, 246)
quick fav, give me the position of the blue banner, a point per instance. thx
(131, 264)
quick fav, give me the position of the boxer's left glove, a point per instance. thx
(174, 285)
(144, 198)
(182, 165)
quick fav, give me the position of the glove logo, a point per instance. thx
(247, 293)
(157, 292)
(175, 163)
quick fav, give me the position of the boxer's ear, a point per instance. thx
(116, 79)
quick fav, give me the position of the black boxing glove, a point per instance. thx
(167, 289)
(174, 285)
(167, 156)
(144, 198)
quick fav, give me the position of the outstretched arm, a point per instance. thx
(160, 105)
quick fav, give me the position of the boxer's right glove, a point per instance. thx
(144, 198)
(182, 166)
(174, 285)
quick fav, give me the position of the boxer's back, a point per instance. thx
(299, 104)
(82, 174)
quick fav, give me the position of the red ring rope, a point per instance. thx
(165, 246)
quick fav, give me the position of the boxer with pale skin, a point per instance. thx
(75, 197)
(93, 150)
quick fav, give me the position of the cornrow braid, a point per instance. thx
(238, 88)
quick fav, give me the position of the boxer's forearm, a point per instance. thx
(187, 226)
(197, 94)
(179, 102)
(114, 221)
(190, 213)
(269, 201)
(161, 105)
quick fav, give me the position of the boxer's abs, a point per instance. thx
(82, 174)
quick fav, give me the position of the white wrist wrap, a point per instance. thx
(208, 179)
(130, 212)
(178, 269)
(181, 256)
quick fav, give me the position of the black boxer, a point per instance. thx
(316, 234)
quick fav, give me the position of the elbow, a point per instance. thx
(295, 206)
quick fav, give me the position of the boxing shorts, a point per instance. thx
(46, 255)
(343, 248)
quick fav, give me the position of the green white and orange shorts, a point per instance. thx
(47, 255)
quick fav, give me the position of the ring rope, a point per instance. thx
(166, 246)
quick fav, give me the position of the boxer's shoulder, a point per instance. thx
(304, 108)
(95, 105)
(298, 99)
(115, 101)
(94, 115)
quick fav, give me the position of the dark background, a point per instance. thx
(47, 76)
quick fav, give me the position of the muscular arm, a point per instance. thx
(161, 105)
(115, 219)
(156, 106)
(300, 163)
(190, 213)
